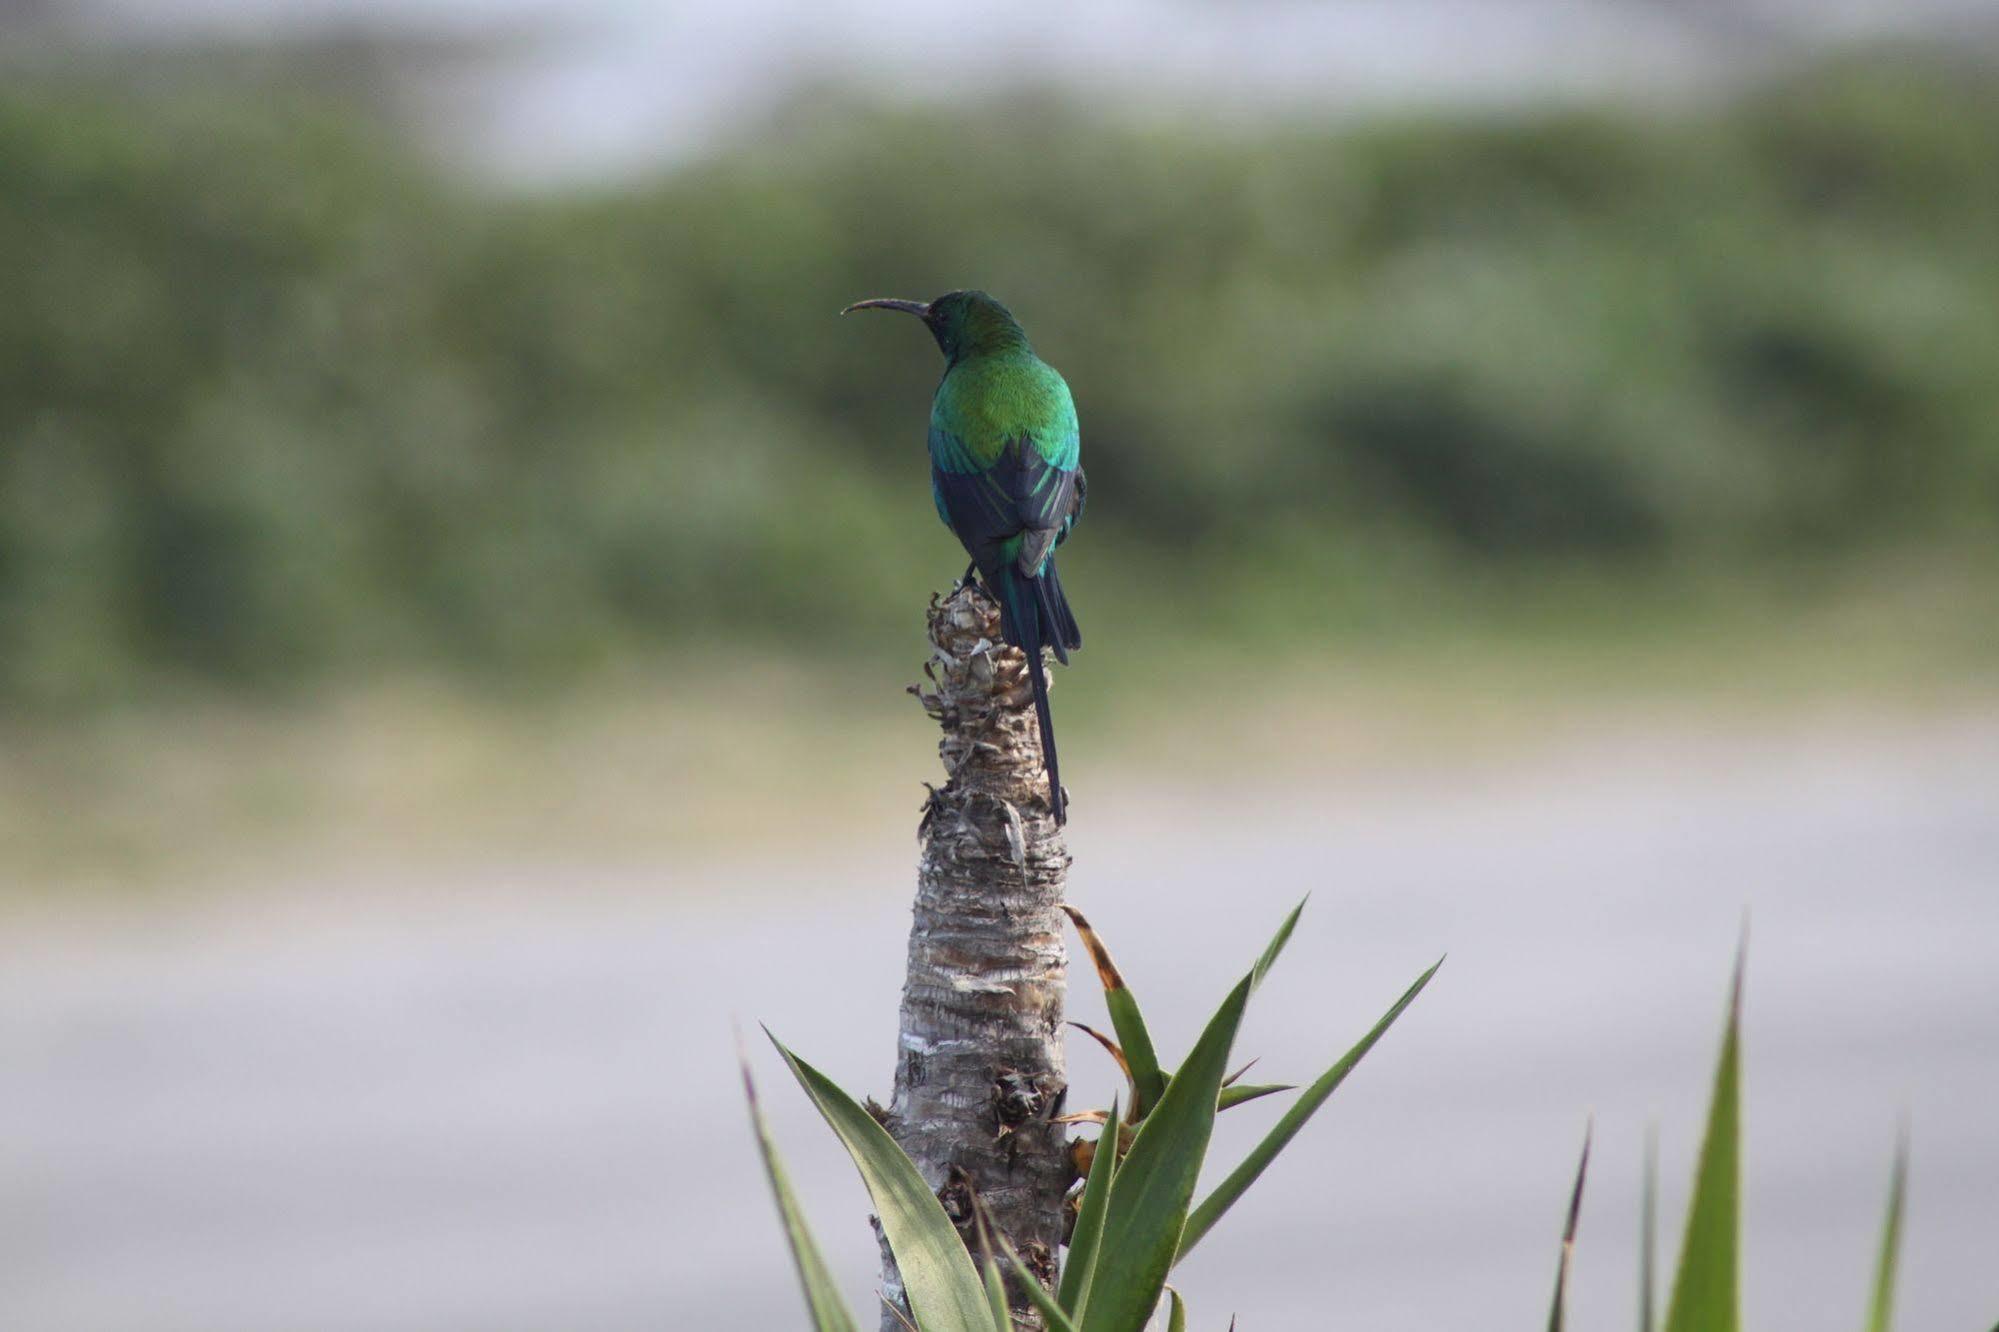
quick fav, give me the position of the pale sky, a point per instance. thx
(604, 85)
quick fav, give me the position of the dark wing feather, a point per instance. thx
(1020, 495)
(1075, 509)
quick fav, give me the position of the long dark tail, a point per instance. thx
(1034, 613)
(1058, 623)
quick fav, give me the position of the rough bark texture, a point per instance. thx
(979, 1071)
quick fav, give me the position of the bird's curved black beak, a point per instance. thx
(917, 308)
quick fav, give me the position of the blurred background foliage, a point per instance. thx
(282, 401)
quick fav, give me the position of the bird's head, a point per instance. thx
(965, 323)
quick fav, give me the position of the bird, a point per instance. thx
(1007, 478)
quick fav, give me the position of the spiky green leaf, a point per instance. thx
(1148, 1208)
(1002, 1320)
(1002, 1317)
(1147, 1078)
(943, 1288)
(1558, 1313)
(1176, 1321)
(1111, 1048)
(1232, 1097)
(1881, 1309)
(1705, 1289)
(1037, 1294)
(1229, 1190)
(1077, 1274)
(822, 1297)
(1275, 948)
(1648, 1234)
(1235, 1077)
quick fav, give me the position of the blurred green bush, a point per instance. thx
(279, 397)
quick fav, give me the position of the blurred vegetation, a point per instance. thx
(281, 398)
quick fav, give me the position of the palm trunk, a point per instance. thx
(979, 1072)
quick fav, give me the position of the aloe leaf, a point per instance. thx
(1176, 1321)
(1705, 1290)
(1002, 1318)
(1558, 1313)
(1235, 1077)
(1037, 1294)
(1275, 948)
(1229, 1190)
(1111, 1046)
(1148, 1208)
(943, 1288)
(1232, 1097)
(1648, 1233)
(1074, 1291)
(1148, 1080)
(1881, 1310)
(822, 1296)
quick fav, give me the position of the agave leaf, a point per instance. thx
(1147, 1079)
(1117, 1054)
(1232, 1097)
(1037, 1294)
(1648, 1233)
(1235, 1077)
(1176, 1321)
(1083, 1117)
(1705, 1290)
(1881, 1310)
(822, 1296)
(1073, 1293)
(1229, 1190)
(1002, 1318)
(944, 1290)
(1275, 947)
(1558, 1314)
(1101, 1117)
(1148, 1207)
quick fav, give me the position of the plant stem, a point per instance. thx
(979, 1068)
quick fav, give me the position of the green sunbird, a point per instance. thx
(1006, 473)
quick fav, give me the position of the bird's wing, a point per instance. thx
(1015, 508)
(1075, 508)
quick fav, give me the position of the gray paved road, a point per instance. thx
(505, 1099)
